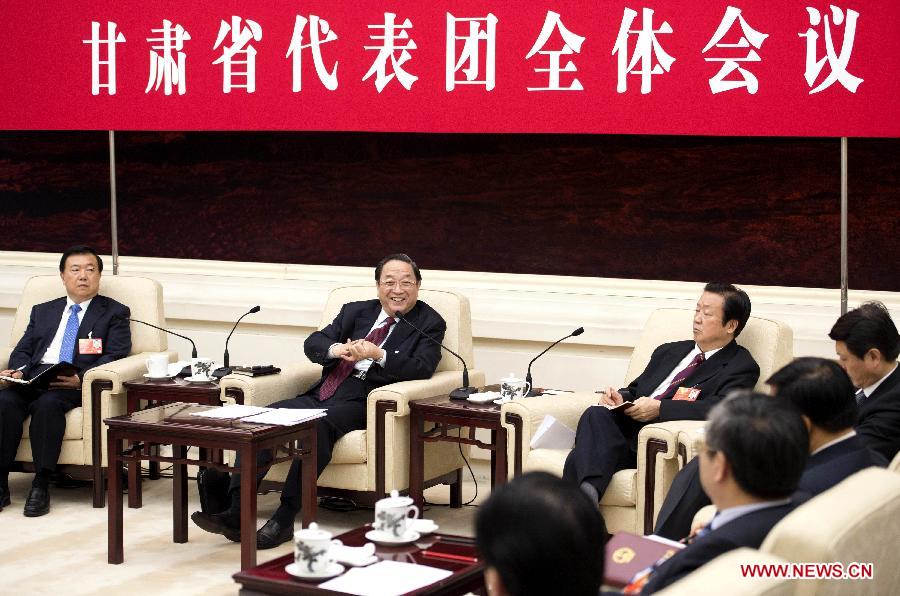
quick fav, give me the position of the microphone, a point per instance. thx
(461, 392)
(225, 368)
(193, 345)
(531, 391)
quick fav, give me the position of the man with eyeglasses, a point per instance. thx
(362, 349)
(82, 328)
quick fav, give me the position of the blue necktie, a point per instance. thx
(67, 350)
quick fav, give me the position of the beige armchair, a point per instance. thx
(724, 574)
(633, 498)
(369, 463)
(102, 392)
(857, 521)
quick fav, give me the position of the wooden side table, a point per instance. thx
(163, 391)
(172, 425)
(452, 415)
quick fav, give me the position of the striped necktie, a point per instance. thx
(682, 376)
(860, 397)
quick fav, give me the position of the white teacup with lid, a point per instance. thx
(392, 515)
(312, 550)
(512, 387)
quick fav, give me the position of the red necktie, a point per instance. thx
(340, 372)
(682, 376)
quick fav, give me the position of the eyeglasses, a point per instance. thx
(405, 284)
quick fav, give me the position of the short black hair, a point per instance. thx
(543, 535)
(764, 441)
(820, 389)
(397, 257)
(737, 304)
(866, 327)
(80, 249)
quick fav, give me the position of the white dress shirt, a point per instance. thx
(51, 356)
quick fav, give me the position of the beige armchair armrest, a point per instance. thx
(293, 380)
(5, 351)
(566, 407)
(657, 465)
(119, 371)
(691, 438)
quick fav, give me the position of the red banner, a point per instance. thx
(744, 67)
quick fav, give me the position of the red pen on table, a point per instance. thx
(448, 556)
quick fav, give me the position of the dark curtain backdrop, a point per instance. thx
(749, 210)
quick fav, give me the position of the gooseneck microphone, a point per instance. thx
(531, 391)
(193, 345)
(460, 392)
(225, 368)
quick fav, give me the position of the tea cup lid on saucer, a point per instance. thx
(511, 378)
(312, 532)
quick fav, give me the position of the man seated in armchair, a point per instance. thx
(82, 328)
(682, 381)
(365, 347)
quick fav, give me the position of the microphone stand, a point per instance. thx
(225, 369)
(531, 391)
(193, 345)
(460, 392)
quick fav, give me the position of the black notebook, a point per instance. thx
(43, 379)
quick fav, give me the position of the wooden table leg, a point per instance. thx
(179, 495)
(308, 478)
(135, 496)
(501, 473)
(248, 507)
(417, 460)
(456, 490)
(114, 446)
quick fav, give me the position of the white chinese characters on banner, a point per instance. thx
(239, 57)
(645, 49)
(317, 28)
(571, 44)
(166, 68)
(837, 63)
(481, 32)
(394, 38)
(749, 37)
(96, 43)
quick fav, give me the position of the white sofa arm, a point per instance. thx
(293, 380)
(567, 408)
(691, 439)
(119, 371)
(442, 383)
(5, 351)
(657, 465)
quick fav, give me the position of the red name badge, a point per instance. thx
(90, 346)
(687, 394)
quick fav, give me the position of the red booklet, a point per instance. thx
(627, 554)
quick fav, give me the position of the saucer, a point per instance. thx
(195, 380)
(384, 539)
(333, 570)
(424, 526)
(502, 401)
(147, 376)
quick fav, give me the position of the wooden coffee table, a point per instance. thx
(450, 415)
(172, 425)
(271, 578)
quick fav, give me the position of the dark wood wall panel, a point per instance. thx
(749, 210)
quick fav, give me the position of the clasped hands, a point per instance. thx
(644, 409)
(354, 350)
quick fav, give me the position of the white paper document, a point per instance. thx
(553, 434)
(231, 412)
(285, 416)
(387, 578)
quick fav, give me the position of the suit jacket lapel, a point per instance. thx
(710, 367)
(886, 386)
(668, 363)
(95, 309)
(363, 323)
(403, 330)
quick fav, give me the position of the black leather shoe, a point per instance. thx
(225, 523)
(38, 502)
(273, 534)
(4, 498)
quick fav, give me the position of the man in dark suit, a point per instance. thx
(736, 470)
(682, 381)
(84, 329)
(365, 347)
(867, 344)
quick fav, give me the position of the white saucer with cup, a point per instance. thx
(157, 366)
(513, 387)
(313, 554)
(394, 517)
(201, 370)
